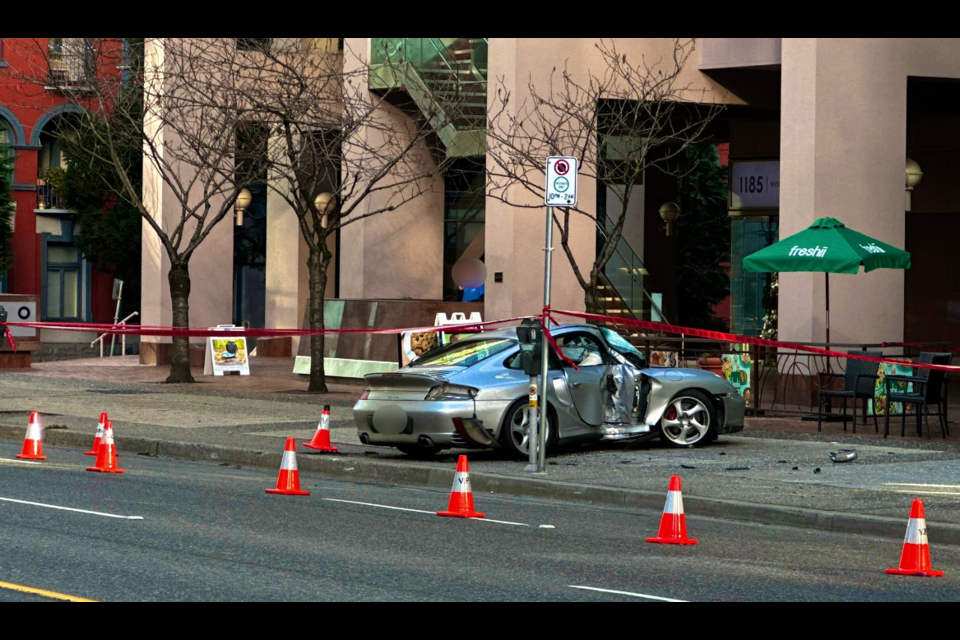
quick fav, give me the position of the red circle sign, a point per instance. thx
(561, 167)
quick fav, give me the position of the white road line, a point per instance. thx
(925, 493)
(929, 486)
(17, 461)
(429, 513)
(53, 506)
(380, 506)
(626, 593)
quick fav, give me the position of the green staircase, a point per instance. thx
(446, 78)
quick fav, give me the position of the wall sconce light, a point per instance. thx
(669, 212)
(325, 204)
(244, 200)
(912, 179)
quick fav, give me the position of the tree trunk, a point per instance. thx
(591, 294)
(317, 264)
(179, 279)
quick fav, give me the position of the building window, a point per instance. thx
(254, 44)
(463, 223)
(3, 62)
(70, 61)
(64, 282)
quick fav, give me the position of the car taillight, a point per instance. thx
(365, 394)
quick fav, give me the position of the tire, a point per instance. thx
(511, 439)
(416, 451)
(690, 420)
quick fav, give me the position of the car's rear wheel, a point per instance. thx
(515, 434)
(690, 420)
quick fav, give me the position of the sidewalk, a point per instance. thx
(781, 464)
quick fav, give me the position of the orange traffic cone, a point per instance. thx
(33, 442)
(95, 449)
(915, 559)
(107, 454)
(461, 496)
(288, 483)
(673, 525)
(321, 439)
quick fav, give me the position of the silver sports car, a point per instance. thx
(473, 394)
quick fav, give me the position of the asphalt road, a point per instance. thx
(211, 533)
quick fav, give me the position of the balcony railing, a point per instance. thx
(48, 198)
(70, 62)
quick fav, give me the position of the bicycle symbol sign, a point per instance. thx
(561, 188)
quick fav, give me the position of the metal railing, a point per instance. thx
(48, 198)
(779, 382)
(70, 61)
(123, 337)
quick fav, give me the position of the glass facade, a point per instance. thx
(463, 219)
(749, 235)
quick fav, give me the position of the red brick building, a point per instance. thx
(46, 263)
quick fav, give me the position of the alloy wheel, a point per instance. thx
(686, 421)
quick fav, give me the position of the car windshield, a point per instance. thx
(620, 345)
(463, 354)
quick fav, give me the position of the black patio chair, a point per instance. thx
(859, 383)
(927, 391)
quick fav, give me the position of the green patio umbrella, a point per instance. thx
(827, 246)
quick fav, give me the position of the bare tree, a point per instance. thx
(628, 117)
(335, 154)
(143, 94)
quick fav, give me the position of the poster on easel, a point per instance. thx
(414, 344)
(226, 354)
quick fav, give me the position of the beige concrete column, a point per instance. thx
(211, 267)
(287, 286)
(395, 254)
(843, 148)
(515, 235)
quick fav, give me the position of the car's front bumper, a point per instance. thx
(447, 423)
(734, 413)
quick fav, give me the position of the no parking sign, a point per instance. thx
(561, 188)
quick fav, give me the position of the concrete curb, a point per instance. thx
(359, 469)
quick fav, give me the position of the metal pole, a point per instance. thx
(544, 371)
(829, 366)
(116, 319)
(532, 440)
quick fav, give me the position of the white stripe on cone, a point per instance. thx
(461, 483)
(33, 431)
(674, 503)
(289, 462)
(916, 532)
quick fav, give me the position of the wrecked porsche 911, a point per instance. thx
(473, 394)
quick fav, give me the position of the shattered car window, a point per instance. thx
(619, 344)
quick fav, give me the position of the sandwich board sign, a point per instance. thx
(226, 355)
(561, 188)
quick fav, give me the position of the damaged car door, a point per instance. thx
(586, 384)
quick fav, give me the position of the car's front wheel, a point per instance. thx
(690, 420)
(515, 434)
